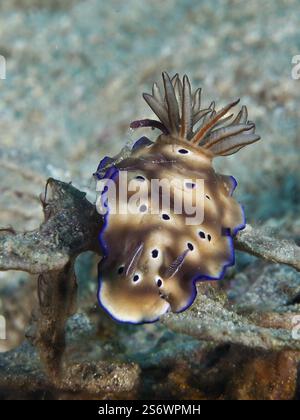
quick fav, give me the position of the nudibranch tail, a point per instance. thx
(180, 115)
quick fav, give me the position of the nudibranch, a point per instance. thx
(152, 259)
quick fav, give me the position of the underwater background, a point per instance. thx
(75, 72)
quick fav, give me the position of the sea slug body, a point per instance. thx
(152, 259)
